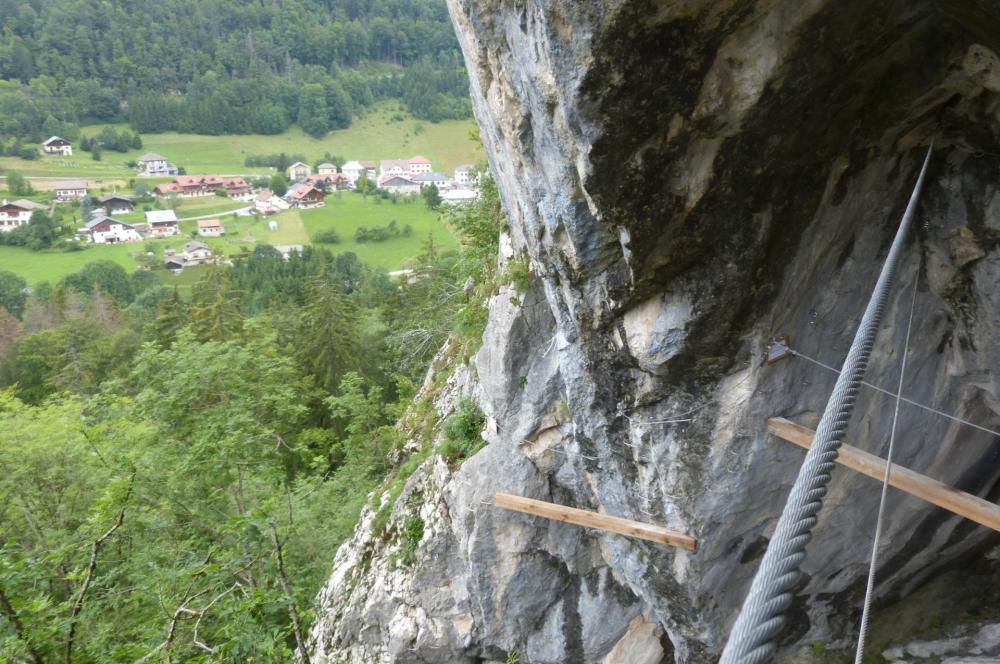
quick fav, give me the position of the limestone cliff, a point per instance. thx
(688, 178)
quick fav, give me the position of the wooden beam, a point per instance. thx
(611, 524)
(940, 494)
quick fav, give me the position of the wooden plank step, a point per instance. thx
(964, 504)
(611, 524)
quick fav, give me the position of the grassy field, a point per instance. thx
(375, 136)
(344, 213)
(347, 211)
(36, 267)
(191, 207)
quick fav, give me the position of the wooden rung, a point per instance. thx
(940, 494)
(611, 524)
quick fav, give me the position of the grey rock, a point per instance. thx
(688, 180)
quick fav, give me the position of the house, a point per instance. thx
(16, 213)
(237, 189)
(355, 169)
(210, 228)
(174, 264)
(116, 204)
(326, 169)
(399, 185)
(192, 185)
(418, 165)
(439, 180)
(69, 190)
(102, 229)
(392, 168)
(298, 171)
(56, 145)
(267, 202)
(330, 182)
(305, 195)
(162, 223)
(196, 252)
(465, 175)
(154, 165)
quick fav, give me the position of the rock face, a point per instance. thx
(688, 179)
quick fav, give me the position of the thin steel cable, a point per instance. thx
(869, 589)
(895, 395)
(762, 616)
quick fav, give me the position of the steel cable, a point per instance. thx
(751, 640)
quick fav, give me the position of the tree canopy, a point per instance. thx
(223, 67)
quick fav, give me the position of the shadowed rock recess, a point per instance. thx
(687, 179)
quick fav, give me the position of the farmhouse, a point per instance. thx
(299, 171)
(399, 185)
(330, 182)
(237, 189)
(16, 213)
(154, 165)
(56, 145)
(69, 190)
(116, 204)
(162, 223)
(326, 169)
(210, 228)
(196, 252)
(437, 179)
(267, 202)
(305, 195)
(102, 229)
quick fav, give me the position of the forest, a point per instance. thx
(223, 66)
(176, 472)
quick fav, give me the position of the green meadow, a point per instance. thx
(384, 132)
(344, 212)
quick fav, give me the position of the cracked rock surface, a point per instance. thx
(688, 179)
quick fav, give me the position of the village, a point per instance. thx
(306, 188)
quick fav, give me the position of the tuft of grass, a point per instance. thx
(462, 430)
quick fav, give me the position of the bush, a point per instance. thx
(462, 430)
(328, 236)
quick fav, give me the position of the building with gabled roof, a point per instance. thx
(69, 190)
(305, 195)
(16, 213)
(102, 229)
(162, 223)
(57, 145)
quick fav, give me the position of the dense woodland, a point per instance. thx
(177, 471)
(223, 66)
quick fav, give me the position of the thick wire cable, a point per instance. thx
(895, 395)
(751, 640)
(873, 563)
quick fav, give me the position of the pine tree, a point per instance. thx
(215, 309)
(327, 340)
(171, 315)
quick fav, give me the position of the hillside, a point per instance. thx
(224, 67)
(384, 132)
